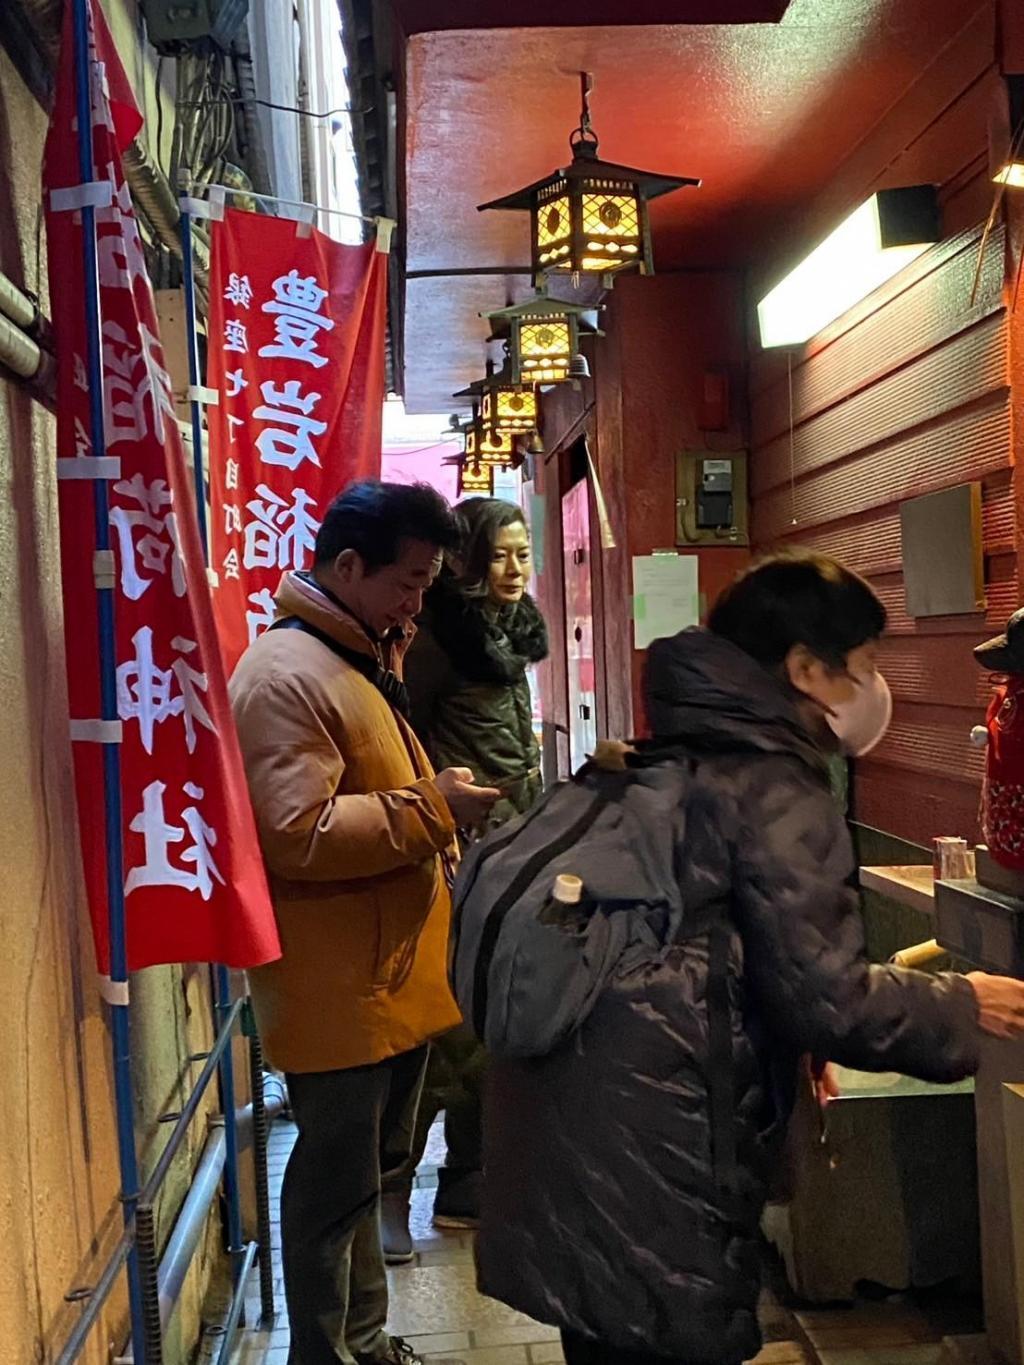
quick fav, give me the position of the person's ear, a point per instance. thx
(803, 670)
(349, 567)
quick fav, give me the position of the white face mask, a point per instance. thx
(861, 722)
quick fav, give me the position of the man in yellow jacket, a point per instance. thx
(355, 828)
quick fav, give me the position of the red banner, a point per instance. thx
(194, 881)
(296, 352)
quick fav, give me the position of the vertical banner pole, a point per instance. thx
(221, 976)
(192, 342)
(108, 686)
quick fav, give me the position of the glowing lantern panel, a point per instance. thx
(476, 477)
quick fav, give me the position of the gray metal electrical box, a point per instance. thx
(711, 498)
(175, 26)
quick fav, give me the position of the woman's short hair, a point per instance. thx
(798, 599)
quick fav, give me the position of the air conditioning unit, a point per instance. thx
(177, 26)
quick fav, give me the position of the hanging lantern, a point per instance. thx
(590, 217)
(504, 406)
(490, 447)
(510, 407)
(476, 478)
(543, 338)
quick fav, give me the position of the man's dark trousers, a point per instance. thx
(354, 1126)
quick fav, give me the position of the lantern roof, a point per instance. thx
(587, 165)
(541, 307)
(501, 379)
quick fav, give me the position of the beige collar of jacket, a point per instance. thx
(297, 596)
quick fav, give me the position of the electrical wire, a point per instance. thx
(284, 108)
(158, 158)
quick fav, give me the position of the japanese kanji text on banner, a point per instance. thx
(296, 351)
(194, 882)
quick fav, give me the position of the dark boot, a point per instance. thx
(394, 1227)
(457, 1204)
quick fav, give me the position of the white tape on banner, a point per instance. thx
(104, 569)
(202, 208)
(199, 393)
(97, 194)
(385, 232)
(96, 731)
(106, 467)
(114, 992)
(303, 214)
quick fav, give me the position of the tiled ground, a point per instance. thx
(436, 1307)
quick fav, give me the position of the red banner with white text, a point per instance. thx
(194, 884)
(296, 353)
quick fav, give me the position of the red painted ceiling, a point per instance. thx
(764, 113)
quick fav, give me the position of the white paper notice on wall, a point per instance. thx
(666, 596)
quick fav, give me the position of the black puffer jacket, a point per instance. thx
(471, 705)
(604, 1210)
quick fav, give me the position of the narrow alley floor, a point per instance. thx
(436, 1307)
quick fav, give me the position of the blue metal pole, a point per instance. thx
(236, 1247)
(192, 342)
(108, 683)
(221, 977)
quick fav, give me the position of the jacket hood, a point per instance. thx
(703, 689)
(485, 645)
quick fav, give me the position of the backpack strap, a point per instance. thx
(387, 682)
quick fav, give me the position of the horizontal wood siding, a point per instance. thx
(909, 394)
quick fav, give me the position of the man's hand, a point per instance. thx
(1000, 1004)
(468, 804)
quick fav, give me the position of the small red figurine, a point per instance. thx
(1002, 793)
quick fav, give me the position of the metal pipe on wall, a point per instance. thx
(18, 352)
(188, 1227)
(16, 305)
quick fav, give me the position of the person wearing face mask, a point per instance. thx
(466, 672)
(626, 1171)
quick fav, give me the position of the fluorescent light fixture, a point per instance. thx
(885, 234)
(1011, 174)
(1011, 171)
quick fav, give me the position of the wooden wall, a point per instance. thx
(908, 395)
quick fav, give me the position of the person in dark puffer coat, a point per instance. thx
(611, 1207)
(466, 673)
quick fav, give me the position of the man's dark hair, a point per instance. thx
(374, 518)
(798, 599)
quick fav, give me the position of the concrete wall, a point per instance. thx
(58, 1167)
(59, 1178)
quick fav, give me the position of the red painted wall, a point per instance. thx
(639, 409)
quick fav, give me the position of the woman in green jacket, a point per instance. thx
(467, 676)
